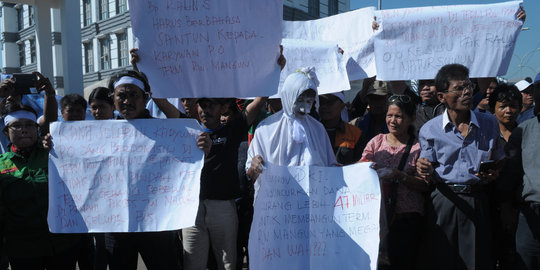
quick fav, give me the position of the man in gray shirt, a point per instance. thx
(523, 151)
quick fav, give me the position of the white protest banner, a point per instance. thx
(352, 32)
(414, 43)
(316, 218)
(207, 48)
(124, 176)
(324, 56)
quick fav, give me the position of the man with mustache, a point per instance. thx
(159, 250)
(455, 143)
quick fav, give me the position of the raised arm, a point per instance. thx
(50, 105)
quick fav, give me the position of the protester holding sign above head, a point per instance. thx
(455, 144)
(291, 137)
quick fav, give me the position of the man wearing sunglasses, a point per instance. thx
(455, 143)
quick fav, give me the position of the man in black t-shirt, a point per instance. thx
(217, 221)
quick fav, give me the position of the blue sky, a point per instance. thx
(526, 52)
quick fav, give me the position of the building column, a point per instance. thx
(10, 49)
(70, 13)
(42, 11)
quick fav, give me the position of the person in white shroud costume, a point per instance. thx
(291, 137)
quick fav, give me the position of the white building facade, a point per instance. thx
(34, 34)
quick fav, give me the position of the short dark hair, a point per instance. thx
(504, 92)
(130, 73)
(101, 93)
(422, 83)
(450, 72)
(71, 100)
(9, 109)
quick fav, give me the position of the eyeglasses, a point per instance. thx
(399, 98)
(19, 127)
(460, 88)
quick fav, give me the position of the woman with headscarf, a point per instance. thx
(291, 137)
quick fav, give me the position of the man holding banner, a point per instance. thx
(159, 250)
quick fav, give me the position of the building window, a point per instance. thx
(33, 58)
(123, 54)
(103, 9)
(89, 57)
(313, 8)
(333, 7)
(22, 55)
(20, 18)
(87, 6)
(105, 59)
(31, 16)
(121, 6)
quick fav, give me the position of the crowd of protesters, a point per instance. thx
(457, 159)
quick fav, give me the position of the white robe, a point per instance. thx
(285, 140)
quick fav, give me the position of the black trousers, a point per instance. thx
(528, 238)
(458, 231)
(403, 240)
(65, 260)
(159, 250)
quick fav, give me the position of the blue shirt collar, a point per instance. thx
(446, 119)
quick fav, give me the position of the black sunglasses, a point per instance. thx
(399, 98)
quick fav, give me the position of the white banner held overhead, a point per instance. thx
(316, 218)
(414, 43)
(124, 176)
(324, 56)
(208, 48)
(353, 33)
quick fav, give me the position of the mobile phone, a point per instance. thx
(23, 82)
(487, 165)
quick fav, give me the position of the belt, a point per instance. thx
(466, 188)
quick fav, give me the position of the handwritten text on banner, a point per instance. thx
(316, 218)
(350, 30)
(324, 56)
(415, 43)
(209, 48)
(124, 176)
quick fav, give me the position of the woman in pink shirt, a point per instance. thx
(402, 189)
